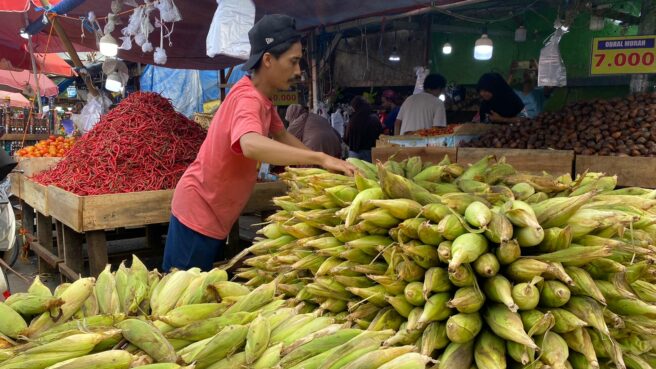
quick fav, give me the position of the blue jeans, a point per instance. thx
(361, 154)
(186, 248)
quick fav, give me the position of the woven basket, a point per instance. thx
(203, 119)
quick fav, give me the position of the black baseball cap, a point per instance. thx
(270, 31)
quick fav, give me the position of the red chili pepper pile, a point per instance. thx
(142, 144)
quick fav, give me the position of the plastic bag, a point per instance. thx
(7, 218)
(422, 73)
(551, 69)
(337, 121)
(228, 34)
(90, 114)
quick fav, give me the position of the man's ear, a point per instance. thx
(266, 60)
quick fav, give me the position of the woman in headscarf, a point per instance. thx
(500, 103)
(313, 130)
(363, 129)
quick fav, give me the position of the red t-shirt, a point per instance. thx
(215, 188)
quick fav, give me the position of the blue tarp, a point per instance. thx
(187, 89)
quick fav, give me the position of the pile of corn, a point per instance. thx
(480, 266)
(135, 318)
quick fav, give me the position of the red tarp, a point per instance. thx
(18, 81)
(188, 50)
(16, 100)
(45, 63)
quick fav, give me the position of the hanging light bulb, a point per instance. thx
(394, 56)
(447, 49)
(520, 34)
(108, 45)
(113, 82)
(484, 47)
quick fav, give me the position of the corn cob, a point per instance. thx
(506, 324)
(38, 288)
(499, 289)
(489, 351)
(112, 359)
(187, 314)
(222, 345)
(206, 328)
(461, 328)
(411, 360)
(148, 338)
(364, 342)
(28, 304)
(318, 346)
(457, 356)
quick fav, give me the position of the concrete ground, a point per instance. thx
(28, 268)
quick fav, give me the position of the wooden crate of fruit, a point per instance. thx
(555, 162)
(630, 170)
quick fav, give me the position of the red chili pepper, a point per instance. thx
(142, 144)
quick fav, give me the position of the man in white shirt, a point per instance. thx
(423, 110)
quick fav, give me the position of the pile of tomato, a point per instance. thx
(53, 147)
(436, 131)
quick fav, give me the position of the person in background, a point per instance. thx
(390, 102)
(532, 96)
(363, 129)
(500, 102)
(313, 130)
(245, 130)
(423, 110)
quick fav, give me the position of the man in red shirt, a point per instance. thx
(216, 186)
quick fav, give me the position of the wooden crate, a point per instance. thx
(32, 166)
(32, 193)
(556, 162)
(100, 212)
(631, 171)
(427, 154)
(261, 197)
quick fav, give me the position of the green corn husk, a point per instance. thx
(521, 214)
(506, 324)
(398, 187)
(632, 307)
(584, 284)
(520, 353)
(410, 227)
(439, 188)
(588, 310)
(524, 270)
(391, 285)
(467, 300)
(537, 197)
(342, 194)
(430, 174)
(554, 294)
(358, 206)
(429, 234)
(413, 166)
(556, 239)
(478, 214)
(411, 360)
(399, 208)
(436, 309)
(523, 191)
(400, 304)
(477, 170)
(457, 356)
(394, 167)
(463, 276)
(557, 211)
(529, 236)
(566, 321)
(380, 218)
(374, 294)
(387, 318)
(554, 350)
(490, 351)
(487, 265)
(409, 271)
(434, 338)
(28, 304)
(444, 251)
(525, 295)
(414, 293)
(499, 289)
(499, 229)
(461, 328)
(459, 202)
(576, 255)
(466, 249)
(644, 290)
(578, 361)
(450, 227)
(376, 359)
(537, 322)
(436, 280)
(425, 256)
(579, 340)
(508, 252)
(435, 212)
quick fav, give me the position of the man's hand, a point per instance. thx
(337, 165)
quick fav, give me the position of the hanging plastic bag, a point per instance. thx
(551, 69)
(421, 72)
(228, 34)
(90, 114)
(337, 121)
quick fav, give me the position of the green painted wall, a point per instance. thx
(460, 66)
